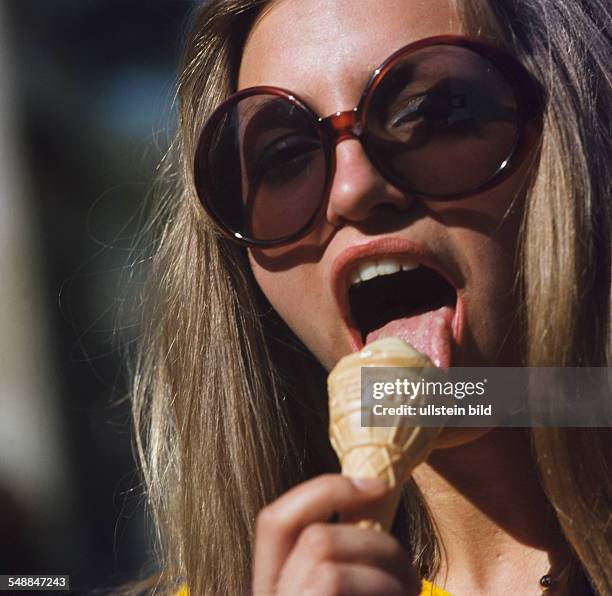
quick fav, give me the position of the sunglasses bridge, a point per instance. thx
(342, 125)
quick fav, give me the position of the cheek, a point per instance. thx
(280, 288)
(490, 297)
(298, 296)
(485, 231)
(489, 247)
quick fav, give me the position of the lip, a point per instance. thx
(387, 247)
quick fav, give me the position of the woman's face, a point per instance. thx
(325, 52)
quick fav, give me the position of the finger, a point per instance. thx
(348, 544)
(280, 524)
(345, 579)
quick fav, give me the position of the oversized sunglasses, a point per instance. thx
(441, 119)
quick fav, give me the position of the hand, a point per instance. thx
(298, 553)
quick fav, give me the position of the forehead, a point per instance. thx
(325, 50)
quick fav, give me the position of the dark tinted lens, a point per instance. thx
(442, 121)
(266, 168)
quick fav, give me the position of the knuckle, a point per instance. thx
(318, 541)
(268, 520)
(328, 579)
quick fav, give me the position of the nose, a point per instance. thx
(358, 191)
(357, 188)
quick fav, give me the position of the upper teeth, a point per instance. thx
(376, 267)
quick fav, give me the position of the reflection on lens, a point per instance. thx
(267, 168)
(442, 121)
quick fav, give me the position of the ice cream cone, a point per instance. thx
(390, 453)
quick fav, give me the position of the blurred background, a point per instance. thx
(86, 92)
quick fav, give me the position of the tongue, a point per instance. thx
(429, 332)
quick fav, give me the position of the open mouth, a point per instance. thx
(394, 298)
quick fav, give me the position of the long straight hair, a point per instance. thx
(230, 408)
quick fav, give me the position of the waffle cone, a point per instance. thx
(390, 453)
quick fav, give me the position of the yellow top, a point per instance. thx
(427, 589)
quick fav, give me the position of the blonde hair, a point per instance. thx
(230, 408)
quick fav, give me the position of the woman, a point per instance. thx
(249, 306)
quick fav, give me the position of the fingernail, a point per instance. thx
(370, 485)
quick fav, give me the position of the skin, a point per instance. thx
(325, 52)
